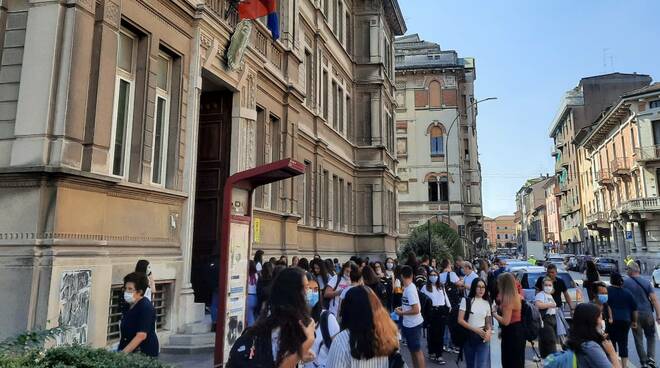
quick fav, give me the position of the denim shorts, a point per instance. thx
(413, 336)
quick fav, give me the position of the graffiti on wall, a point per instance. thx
(75, 290)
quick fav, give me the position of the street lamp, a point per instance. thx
(458, 114)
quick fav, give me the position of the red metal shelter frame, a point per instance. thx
(247, 180)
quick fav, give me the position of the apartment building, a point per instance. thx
(436, 136)
(531, 205)
(621, 147)
(501, 231)
(579, 108)
(121, 121)
(552, 205)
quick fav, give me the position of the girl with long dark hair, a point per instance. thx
(252, 299)
(371, 280)
(304, 264)
(437, 316)
(369, 335)
(325, 322)
(513, 340)
(317, 268)
(263, 286)
(587, 340)
(330, 267)
(478, 324)
(287, 320)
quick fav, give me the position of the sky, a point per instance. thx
(528, 53)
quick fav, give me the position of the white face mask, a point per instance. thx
(390, 265)
(129, 298)
(149, 270)
(547, 289)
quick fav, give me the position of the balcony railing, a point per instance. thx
(563, 186)
(559, 141)
(224, 10)
(597, 218)
(621, 166)
(604, 177)
(641, 205)
(647, 154)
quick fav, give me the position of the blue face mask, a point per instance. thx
(312, 298)
(602, 298)
(433, 279)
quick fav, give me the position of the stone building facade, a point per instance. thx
(501, 231)
(621, 147)
(436, 136)
(552, 206)
(579, 108)
(120, 122)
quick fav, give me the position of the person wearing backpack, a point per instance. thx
(452, 284)
(285, 334)
(510, 320)
(548, 308)
(587, 343)
(326, 325)
(475, 317)
(624, 315)
(436, 316)
(643, 293)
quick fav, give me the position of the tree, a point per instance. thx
(445, 242)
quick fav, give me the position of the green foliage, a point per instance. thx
(27, 351)
(445, 242)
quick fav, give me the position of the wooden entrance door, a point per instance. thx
(213, 154)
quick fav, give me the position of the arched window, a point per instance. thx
(437, 141)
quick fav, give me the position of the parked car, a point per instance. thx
(527, 279)
(656, 276)
(557, 260)
(606, 265)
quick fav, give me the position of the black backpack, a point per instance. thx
(251, 351)
(454, 294)
(531, 320)
(460, 334)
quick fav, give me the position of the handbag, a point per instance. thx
(395, 360)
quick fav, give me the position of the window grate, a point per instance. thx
(160, 298)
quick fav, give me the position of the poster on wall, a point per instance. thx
(75, 292)
(238, 263)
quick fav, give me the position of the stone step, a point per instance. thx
(187, 349)
(192, 339)
(197, 328)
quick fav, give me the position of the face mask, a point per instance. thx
(602, 298)
(128, 297)
(149, 270)
(547, 289)
(433, 279)
(312, 298)
(390, 265)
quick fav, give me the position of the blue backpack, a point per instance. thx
(561, 359)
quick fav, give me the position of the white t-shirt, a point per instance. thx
(452, 277)
(343, 293)
(438, 296)
(467, 281)
(319, 280)
(258, 266)
(479, 310)
(334, 303)
(410, 298)
(319, 347)
(546, 298)
(252, 287)
(147, 293)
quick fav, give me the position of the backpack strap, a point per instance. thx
(325, 332)
(648, 296)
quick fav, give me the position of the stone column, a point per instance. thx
(35, 98)
(73, 80)
(376, 129)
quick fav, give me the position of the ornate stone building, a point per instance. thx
(120, 122)
(437, 138)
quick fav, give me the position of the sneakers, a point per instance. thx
(651, 363)
(440, 361)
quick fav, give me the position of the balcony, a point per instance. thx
(647, 154)
(597, 220)
(554, 152)
(621, 166)
(224, 10)
(559, 142)
(642, 205)
(561, 162)
(563, 187)
(604, 177)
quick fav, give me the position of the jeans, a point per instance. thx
(252, 303)
(477, 352)
(447, 337)
(645, 327)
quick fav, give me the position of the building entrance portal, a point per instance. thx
(213, 157)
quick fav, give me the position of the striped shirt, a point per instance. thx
(340, 355)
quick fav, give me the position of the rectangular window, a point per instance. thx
(349, 113)
(349, 35)
(340, 20)
(309, 85)
(340, 109)
(326, 198)
(122, 121)
(342, 204)
(161, 119)
(335, 118)
(349, 207)
(307, 194)
(324, 91)
(468, 194)
(335, 202)
(654, 104)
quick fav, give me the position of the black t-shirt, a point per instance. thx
(140, 318)
(559, 285)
